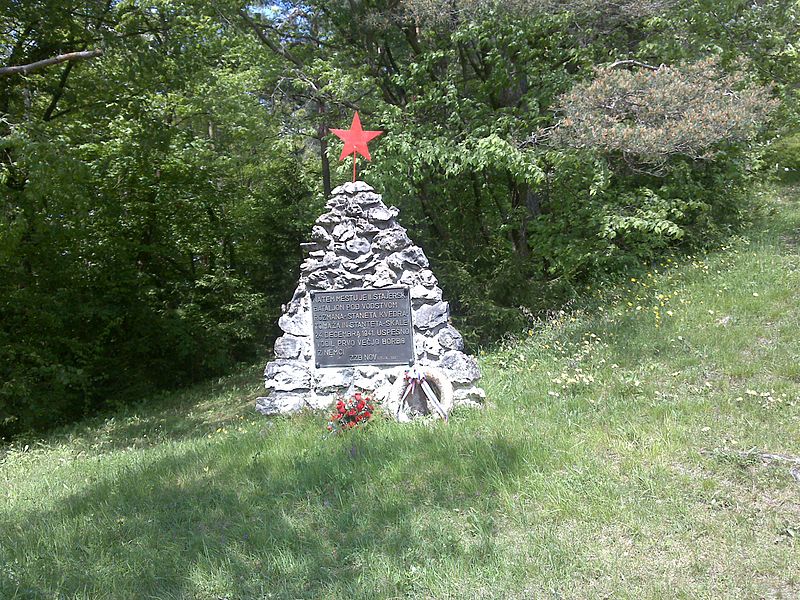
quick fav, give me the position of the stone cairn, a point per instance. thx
(358, 243)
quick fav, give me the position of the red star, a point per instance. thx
(355, 139)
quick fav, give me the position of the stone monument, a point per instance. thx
(366, 308)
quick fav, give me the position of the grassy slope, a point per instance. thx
(608, 463)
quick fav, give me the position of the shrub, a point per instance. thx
(649, 116)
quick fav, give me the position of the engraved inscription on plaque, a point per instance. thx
(362, 327)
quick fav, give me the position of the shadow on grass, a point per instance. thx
(167, 416)
(296, 518)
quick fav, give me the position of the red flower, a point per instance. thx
(350, 412)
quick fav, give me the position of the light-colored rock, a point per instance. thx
(391, 240)
(288, 346)
(429, 316)
(382, 214)
(326, 279)
(460, 367)
(298, 324)
(469, 396)
(366, 228)
(284, 375)
(420, 292)
(344, 231)
(330, 219)
(409, 259)
(370, 198)
(423, 277)
(300, 293)
(280, 403)
(333, 379)
(365, 259)
(431, 346)
(319, 235)
(368, 378)
(352, 187)
(321, 401)
(332, 261)
(353, 209)
(450, 339)
(358, 245)
(382, 277)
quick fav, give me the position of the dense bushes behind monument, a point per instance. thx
(154, 197)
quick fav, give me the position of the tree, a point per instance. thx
(151, 211)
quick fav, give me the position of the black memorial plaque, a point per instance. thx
(362, 327)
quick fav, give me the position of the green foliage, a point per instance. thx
(154, 197)
(783, 156)
(147, 223)
(650, 116)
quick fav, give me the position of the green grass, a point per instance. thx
(612, 460)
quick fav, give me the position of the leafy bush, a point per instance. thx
(783, 155)
(650, 116)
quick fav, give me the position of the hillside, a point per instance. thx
(640, 445)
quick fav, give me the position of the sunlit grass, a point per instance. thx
(615, 458)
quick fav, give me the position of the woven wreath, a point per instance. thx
(426, 381)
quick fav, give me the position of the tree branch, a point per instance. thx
(62, 85)
(276, 48)
(633, 63)
(47, 62)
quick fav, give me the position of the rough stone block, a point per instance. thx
(319, 235)
(353, 209)
(330, 219)
(332, 260)
(391, 240)
(284, 375)
(423, 277)
(381, 214)
(420, 292)
(450, 339)
(413, 256)
(366, 228)
(358, 245)
(332, 380)
(368, 198)
(351, 188)
(459, 367)
(344, 231)
(321, 401)
(288, 346)
(429, 316)
(382, 277)
(298, 323)
(279, 403)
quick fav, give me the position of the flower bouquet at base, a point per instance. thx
(351, 412)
